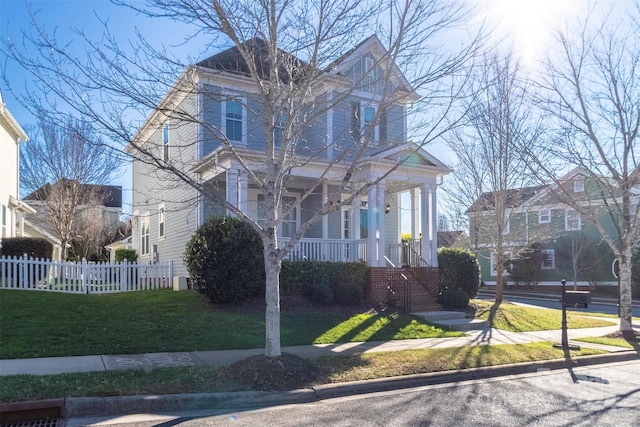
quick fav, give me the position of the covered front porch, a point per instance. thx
(367, 228)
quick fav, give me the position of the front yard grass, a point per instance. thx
(516, 318)
(47, 324)
(336, 369)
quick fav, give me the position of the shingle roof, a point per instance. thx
(513, 198)
(232, 61)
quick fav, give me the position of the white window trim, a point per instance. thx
(223, 107)
(507, 227)
(375, 136)
(548, 215)
(492, 264)
(297, 197)
(145, 217)
(166, 142)
(346, 210)
(552, 256)
(578, 185)
(162, 221)
(5, 221)
(566, 220)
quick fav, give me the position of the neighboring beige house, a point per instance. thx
(12, 210)
(38, 225)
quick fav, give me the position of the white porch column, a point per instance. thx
(433, 217)
(382, 213)
(415, 213)
(425, 213)
(372, 217)
(243, 184)
(232, 189)
(355, 229)
(325, 218)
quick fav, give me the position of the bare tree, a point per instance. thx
(92, 230)
(56, 165)
(579, 255)
(591, 95)
(287, 50)
(491, 174)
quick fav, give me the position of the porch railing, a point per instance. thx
(407, 254)
(334, 250)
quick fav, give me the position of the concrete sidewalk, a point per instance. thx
(101, 363)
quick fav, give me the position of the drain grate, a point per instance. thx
(49, 422)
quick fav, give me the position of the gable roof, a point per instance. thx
(373, 46)
(232, 61)
(110, 195)
(513, 198)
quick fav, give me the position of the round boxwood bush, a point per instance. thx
(225, 260)
(347, 294)
(453, 298)
(458, 269)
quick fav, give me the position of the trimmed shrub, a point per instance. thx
(458, 269)
(302, 277)
(34, 247)
(352, 273)
(225, 260)
(131, 255)
(347, 294)
(453, 298)
(322, 294)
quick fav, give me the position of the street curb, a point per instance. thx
(76, 407)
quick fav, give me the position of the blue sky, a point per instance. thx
(525, 23)
(65, 16)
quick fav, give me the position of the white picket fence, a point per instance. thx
(82, 277)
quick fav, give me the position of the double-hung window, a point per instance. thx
(548, 259)
(363, 122)
(4, 221)
(290, 216)
(161, 221)
(165, 143)
(572, 220)
(144, 235)
(233, 120)
(544, 216)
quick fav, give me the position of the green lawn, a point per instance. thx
(46, 324)
(516, 318)
(337, 369)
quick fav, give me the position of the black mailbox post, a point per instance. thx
(576, 299)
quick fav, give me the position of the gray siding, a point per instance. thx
(308, 208)
(212, 114)
(152, 187)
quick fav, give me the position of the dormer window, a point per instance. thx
(578, 185)
(367, 76)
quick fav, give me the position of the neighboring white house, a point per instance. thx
(166, 214)
(12, 209)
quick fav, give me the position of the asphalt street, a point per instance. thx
(551, 301)
(599, 395)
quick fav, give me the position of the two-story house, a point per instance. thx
(166, 213)
(12, 209)
(563, 242)
(69, 208)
